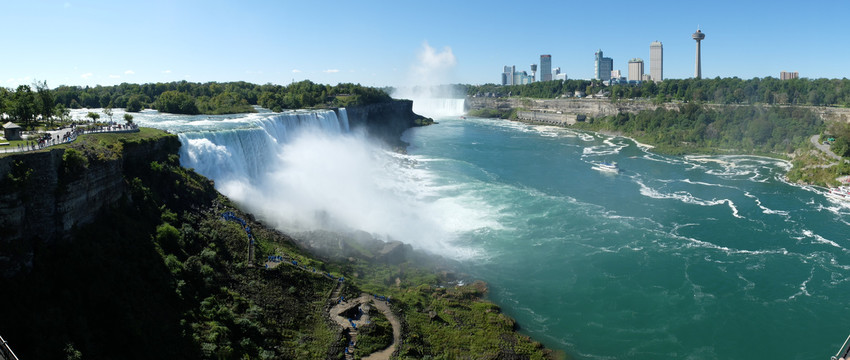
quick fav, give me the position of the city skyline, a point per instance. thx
(90, 42)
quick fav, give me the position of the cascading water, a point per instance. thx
(439, 107)
(246, 151)
(306, 170)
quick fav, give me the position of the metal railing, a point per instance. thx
(5, 351)
(844, 349)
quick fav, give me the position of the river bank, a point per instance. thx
(780, 132)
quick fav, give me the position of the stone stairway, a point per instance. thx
(352, 339)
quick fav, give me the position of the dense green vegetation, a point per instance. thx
(162, 275)
(306, 94)
(748, 129)
(375, 336)
(494, 113)
(716, 116)
(540, 90)
(769, 90)
(691, 127)
(25, 105)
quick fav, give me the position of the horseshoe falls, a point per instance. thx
(695, 257)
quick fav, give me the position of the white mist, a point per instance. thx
(322, 177)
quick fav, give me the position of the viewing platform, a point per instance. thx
(63, 136)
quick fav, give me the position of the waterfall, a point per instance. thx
(305, 170)
(439, 107)
(225, 154)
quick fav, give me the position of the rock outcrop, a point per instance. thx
(386, 121)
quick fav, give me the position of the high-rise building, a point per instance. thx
(522, 78)
(698, 36)
(558, 75)
(508, 75)
(545, 67)
(602, 67)
(533, 71)
(656, 61)
(788, 75)
(636, 69)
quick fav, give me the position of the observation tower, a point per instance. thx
(698, 36)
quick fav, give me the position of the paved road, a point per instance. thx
(824, 148)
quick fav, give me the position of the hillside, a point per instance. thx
(780, 131)
(153, 269)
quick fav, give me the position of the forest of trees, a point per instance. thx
(769, 90)
(539, 90)
(751, 129)
(27, 103)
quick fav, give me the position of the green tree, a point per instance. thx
(108, 112)
(23, 107)
(4, 99)
(62, 113)
(176, 102)
(93, 115)
(128, 118)
(134, 104)
(45, 102)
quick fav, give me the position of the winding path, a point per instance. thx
(343, 306)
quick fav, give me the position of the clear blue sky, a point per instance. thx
(378, 43)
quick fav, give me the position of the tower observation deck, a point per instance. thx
(698, 36)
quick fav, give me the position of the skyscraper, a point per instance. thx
(698, 36)
(545, 67)
(602, 67)
(636, 69)
(508, 75)
(656, 61)
(785, 75)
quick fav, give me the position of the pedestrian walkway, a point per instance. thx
(66, 135)
(337, 314)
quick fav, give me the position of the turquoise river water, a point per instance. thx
(696, 257)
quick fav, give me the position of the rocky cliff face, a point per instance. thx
(41, 201)
(563, 110)
(385, 120)
(588, 107)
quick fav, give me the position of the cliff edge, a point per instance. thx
(47, 193)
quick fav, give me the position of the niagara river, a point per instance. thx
(693, 257)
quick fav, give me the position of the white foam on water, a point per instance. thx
(820, 239)
(686, 198)
(305, 171)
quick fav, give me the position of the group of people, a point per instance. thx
(69, 136)
(230, 216)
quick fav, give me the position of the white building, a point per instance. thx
(636, 69)
(656, 61)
